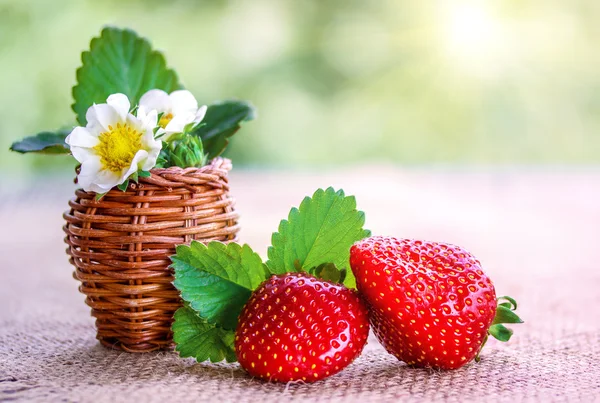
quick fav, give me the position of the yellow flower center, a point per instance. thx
(118, 146)
(165, 119)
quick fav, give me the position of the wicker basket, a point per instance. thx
(120, 247)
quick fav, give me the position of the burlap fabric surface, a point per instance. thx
(536, 233)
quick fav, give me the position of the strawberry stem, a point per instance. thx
(504, 314)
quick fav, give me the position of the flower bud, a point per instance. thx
(187, 152)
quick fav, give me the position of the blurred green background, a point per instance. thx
(337, 82)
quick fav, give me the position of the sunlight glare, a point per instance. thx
(473, 37)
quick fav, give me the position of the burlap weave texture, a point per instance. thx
(48, 351)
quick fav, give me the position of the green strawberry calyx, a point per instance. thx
(505, 313)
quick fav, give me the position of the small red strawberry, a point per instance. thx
(298, 327)
(430, 303)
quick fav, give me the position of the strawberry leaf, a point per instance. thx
(119, 61)
(511, 302)
(320, 231)
(43, 143)
(222, 120)
(199, 339)
(123, 186)
(217, 279)
(500, 332)
(505, 315)
(328, 272)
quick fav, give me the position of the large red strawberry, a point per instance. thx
(297, 327)
(430, 303)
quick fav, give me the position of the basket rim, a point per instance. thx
(211, 174)
(217, 163)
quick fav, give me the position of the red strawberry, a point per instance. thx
(298, 327)
(430, 303)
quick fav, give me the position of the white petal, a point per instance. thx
(139, 160)
(157, 100)
(88, 174)
(102, 115)
(149, 142)
(98, 189)
(120, 103)
(105, 181)
(152, 147)
(200, 114)
(183, 101)
(151, 159)
(179, 121)
(92, 178)
(148, 120)
(82, 154)
(135, 122)
(141, 112)
(136, 163)
(82, 137)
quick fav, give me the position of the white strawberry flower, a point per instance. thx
(178, 109)
(114, 144)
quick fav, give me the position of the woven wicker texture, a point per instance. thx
(120, 246)
(535, 233)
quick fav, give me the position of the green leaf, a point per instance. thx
(505, 315)
(123, 186)
(500, 332)
(321, 231)
(329, 272)
(119, 61)
(163, 160)
(221, 121)
(512, 303)
(203, 341)
(217, 279)
(44, 143)
(144, 174)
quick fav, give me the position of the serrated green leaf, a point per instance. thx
(221, 121)
(197, 338)
(506, 315)
(217, 279)
(43, 143)
(500, 332)
(119, 61)
(321, 230)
